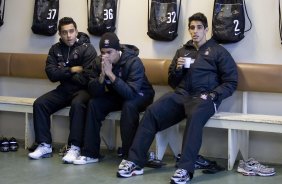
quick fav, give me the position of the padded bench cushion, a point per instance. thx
(28, 65)
(5, 64)
(157, 70)
(260, 77)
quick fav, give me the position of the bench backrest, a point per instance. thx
(252, 77)
(260, 77)
(23, 65)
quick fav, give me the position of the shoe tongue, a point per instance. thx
(75, 148)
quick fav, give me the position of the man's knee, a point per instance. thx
(129, 106)
(78, 104)
(39, 103)
(149, 120)
(94, 106)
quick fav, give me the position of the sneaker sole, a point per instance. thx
(251, 173)
(134, 173)
(264, 174)
(180, 182)
(5, 149)
(246, 173)
(48, 155)
(83, 163)
(67, 162)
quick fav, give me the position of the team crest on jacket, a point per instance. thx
(207, 52)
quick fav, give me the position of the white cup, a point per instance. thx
(187, 62)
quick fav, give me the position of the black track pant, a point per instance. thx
(98, 109)
(53, 101)
(166, 112)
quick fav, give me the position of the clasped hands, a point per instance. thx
(106, 70)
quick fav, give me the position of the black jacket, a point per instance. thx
(130, 81)
(213, 70)
(61, 57)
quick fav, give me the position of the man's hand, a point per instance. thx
(107, 68)
(76, 69)
(180, 63)
(61, 65)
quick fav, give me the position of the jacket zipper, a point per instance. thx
(68, 56)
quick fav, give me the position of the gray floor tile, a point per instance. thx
(15, 167)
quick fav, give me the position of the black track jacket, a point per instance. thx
(213, 70)
(130, 76)
(82, 53)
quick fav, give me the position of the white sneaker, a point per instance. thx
(43, 150)
(181, 176)
(72, 154)
(127, 169)
(81, 160)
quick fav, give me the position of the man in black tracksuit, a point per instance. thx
(119, 83)
(200, 86)
(67, 63)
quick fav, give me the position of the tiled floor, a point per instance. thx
(15, 167)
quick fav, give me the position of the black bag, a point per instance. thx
(2, 11)
(163, 19)
(228, 21)
(101, 16)
(45, 17)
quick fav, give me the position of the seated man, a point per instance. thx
(200, 86)
(119, 83)
(67, 63)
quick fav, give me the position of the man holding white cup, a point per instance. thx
(208, 77)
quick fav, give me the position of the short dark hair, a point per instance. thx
(198, 17)
(65, 21)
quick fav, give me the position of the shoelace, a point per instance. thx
(41, 148)
(256, 164)
(72, 151)
(125, 165)
(180, 172)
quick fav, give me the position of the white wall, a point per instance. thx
(261, 45)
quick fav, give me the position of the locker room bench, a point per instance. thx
(252, 78)
(22, 65)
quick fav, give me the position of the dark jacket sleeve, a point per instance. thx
(94, 87)
(131, 87)
(175, 75)
(87, 59)
(52, 69)
(228, 75)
